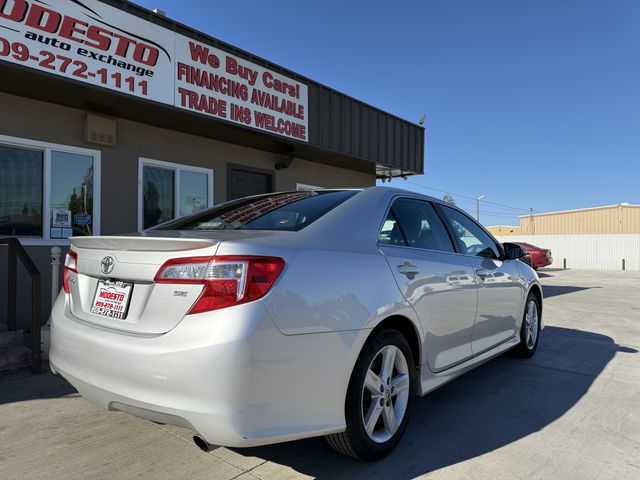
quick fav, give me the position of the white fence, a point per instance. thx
(589, 252)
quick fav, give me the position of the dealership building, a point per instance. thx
(114, 118)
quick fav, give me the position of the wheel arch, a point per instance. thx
(537, 291)
(407, 328)
(348, 441)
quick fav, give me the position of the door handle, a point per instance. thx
(481, 273)
(407, 269)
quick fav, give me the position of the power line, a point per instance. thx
(507, 206)
(439, 190)
(491, 214)
(468, 197)
(469, 204)
(490, 207)
(489, 210)
(471, 201)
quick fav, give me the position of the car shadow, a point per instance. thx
(23, 385)
(547, 272)
(554, 290)
(496, 404)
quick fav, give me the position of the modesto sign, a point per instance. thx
(95, 43)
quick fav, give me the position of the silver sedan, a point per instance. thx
(290, 315)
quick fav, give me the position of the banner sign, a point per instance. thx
(211, 81)
(92, 42)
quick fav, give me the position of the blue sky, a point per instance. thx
(535, 104)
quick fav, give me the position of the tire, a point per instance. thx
(368, 387)
(530, 330)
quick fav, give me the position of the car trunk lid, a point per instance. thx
(111, 268)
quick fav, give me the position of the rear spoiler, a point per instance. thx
(141, 243)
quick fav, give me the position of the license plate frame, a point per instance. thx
(112, 298)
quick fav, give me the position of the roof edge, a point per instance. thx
(581, 210)
(150, 15)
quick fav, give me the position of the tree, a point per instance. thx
(449, 199)
(82, 201)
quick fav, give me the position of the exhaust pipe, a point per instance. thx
(202, 444)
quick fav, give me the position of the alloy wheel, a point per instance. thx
(385, 393)
(531, 325)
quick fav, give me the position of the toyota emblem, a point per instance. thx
(107, 264)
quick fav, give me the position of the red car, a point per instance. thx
(540, 257)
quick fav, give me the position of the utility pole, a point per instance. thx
(478, 207)
(532, 222)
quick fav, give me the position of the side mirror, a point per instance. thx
(516, 252)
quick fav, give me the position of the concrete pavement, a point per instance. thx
(573, 411)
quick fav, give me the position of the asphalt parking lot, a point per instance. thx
(573, 411)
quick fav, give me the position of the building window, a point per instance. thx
(170, 190)
(47, 191)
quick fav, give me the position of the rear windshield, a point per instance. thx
(280, 211)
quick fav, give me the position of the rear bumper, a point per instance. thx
(230, 375)
(540, 261)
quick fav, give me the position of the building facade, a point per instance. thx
(610, 219)
(114, 119)
(498, 230)
(600, 238)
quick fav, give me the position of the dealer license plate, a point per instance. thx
(112, 298)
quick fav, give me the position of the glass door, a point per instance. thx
(158, 195)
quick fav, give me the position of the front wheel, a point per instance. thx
(530, 330)
(379, 398)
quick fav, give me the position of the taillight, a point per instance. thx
(70, 265)
(227, 280)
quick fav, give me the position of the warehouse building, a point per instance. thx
(497, 230)
(599, 238)
(114, 118)
(610, 219)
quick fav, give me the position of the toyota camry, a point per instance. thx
(290, 315)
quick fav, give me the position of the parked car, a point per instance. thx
(540, 257)
(290, 315)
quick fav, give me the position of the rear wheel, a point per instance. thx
(379, 398)
(530, 330)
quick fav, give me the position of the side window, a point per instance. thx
(415, 223)
(473, 239)
(390, 233)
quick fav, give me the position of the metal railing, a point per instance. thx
(16, 251)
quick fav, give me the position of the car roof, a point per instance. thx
(396, 190)
(377, 189)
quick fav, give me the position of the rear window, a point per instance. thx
(281, 211)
